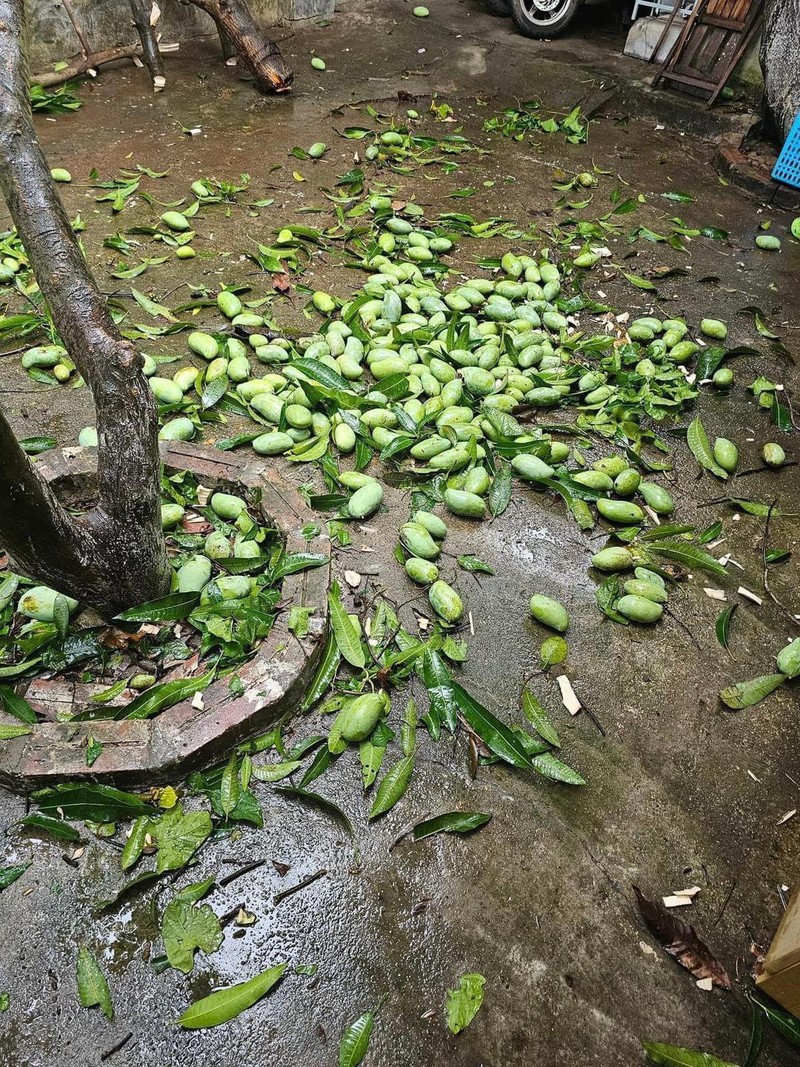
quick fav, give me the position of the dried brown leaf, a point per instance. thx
(680, 940)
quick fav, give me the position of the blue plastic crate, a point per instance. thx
(787, 169)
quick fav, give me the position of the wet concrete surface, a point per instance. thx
(679, 791)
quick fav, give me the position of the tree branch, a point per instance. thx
(125, 544)
(84, 63)
(145, 27)
(261, 56)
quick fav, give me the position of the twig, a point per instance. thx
(222, 882)
(73, 18)
(284, 893)
(120, 1045)
(728, 896)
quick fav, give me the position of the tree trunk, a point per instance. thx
(780, 64)
(262, 57)
(114, 556)
(145, 27)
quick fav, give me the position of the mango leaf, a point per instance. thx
(318, 801)
(638, 281)
(672, 1056)
(93, 988)
(786, 1025)
(436, 679)
(135, 842)
(178, 836)
(275, 772)
(723, 625)
(756, 1033)
(497, 737)
(226, 1004)
(170, 608)
(553, 650)
(293, 562)
(746, 694)
(320, 763)
(229, 786)
(499, 495)
(464, 1003)
(450, 822)
(165, 695)
(344, 631)
(16, 705)
(9, 733)
(537, 716)
(697, 440)
(355, 1040)
(326, 672)
(60, 830)
(371, 756)
(93, 803)
(550, 766)
(187, 927)
(688, 555)
(392, 787)
(472, 563)
(8, 875)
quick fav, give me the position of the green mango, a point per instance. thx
(549, 612)
(445, 601)
(39, 603)
(657, 498)
(194, 574)
(227, 506)
(421, 571)
(435, 526)
(620, 511)
(639, 609)
(365, 501)
(418, 541)
(531, 468)
(612, 559)
(648, 590)
(788, 659)
(229, 304)
(181, 429)
(467, 505)
(171, 515)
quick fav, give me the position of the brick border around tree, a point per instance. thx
(141, 753)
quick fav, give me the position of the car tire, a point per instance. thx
(541, 19)
(501, 8)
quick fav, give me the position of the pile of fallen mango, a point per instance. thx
(462, 388)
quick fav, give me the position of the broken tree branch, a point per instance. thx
(83, 64)
(145, 16)
(114, 555)
(261, 56)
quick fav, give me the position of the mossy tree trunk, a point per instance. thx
(780, 63)
(113, 556)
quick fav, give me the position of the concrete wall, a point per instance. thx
(107, 23)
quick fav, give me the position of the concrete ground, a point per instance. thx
(679, 790)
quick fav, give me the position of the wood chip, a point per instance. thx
(789, 815)
(750, 596)
(691, 892)
(471, 624)
(353, 578)
(677, 900)
(706, 984)
(754, 777)
(197, 701)
(715, 594)
(568, 695)
(159, 82)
